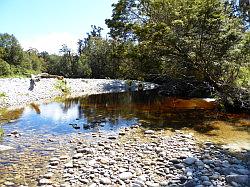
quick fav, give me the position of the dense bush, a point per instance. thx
(15, 61)
(4, 68)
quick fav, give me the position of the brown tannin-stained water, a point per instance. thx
(38, 130)
(110, 112)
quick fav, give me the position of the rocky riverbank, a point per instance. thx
(133, 156)
(149, 159)
(16, 91)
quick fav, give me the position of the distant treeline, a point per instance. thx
(14, 61)
(207, 40)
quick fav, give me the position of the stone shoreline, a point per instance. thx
(132, 157)
(16, 91)
(151, 160)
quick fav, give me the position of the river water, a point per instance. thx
(112, 111)
(35, 129)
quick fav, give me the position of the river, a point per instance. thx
(35, 130)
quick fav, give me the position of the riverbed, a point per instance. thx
(125, 139)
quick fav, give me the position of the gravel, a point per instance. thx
(16, 90)
(141, 163)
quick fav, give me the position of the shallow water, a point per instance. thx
(110, 112)
(38, 132)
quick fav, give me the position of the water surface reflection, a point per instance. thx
(105, 112)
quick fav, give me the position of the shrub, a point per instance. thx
(4, 68)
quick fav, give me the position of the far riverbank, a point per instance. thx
(16, 92)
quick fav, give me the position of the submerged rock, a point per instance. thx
(189, 160)
(241, 179)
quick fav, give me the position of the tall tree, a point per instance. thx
(13, 51)
(201, 38)
(66, 61)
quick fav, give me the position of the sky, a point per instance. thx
(48, 24)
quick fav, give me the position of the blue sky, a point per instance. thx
(47, 24)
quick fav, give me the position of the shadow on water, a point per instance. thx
(152, 110)
(115, 110)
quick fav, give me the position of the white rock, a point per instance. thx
(68, 165)
(125, 175)
(105, 180)
(152, 184)
(77, 155)
(149, 132)
(48, 175)
(5, 148)
(44, 182)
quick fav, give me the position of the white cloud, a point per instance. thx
(51, 42)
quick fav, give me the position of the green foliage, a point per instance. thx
(82, 67)
(61, 85)
(53, 64)
(204, 39)
(1, 131)
(13, 53)
(193, 37)
(4, 68)
(16, 62)
(244, 77)
(2, 94)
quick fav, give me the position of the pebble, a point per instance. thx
(152, 184)
(189, 160)
(122, 133)
(8, 183)
(5, 148)
(243, 171)
(105, 180)
(77, 155)
(199, 163)
(84, 181)
(125, 175)
(45, 182)
(48, 175)
(241, 179)
(149, 132)
(68, 165)
(206, 183)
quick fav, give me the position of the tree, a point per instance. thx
(97, 53)
(200, 38)
(66, 61)
(37, 63)
(82, 68)
(13, 51)
(53, 64)
(241, 9)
